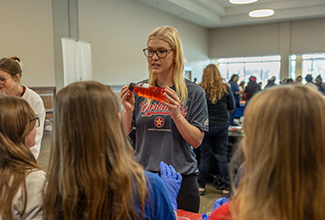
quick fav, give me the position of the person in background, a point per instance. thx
(270, 82)
(260, 84)
(319, 84)
(289, 81)
(252, 88)
(299, 80)
(242, 90)
(284, 158)
(10, 75)
(22, 180)
(236, 92)
(168, 131)
(92, 173)
(215, 143)
(309, 81)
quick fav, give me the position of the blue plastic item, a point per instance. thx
(204, 216)
(219, 202)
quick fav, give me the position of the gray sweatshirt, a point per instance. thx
(34, 206)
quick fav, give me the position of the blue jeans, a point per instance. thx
(231, 117)
(214, 145)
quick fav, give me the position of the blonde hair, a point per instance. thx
(212, 83)
(284, 142)
(171, 36)
(92, 171)
(16, 160)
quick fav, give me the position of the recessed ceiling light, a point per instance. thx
(261, 13)
(242, 1)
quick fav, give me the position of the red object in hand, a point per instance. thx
(148, 91)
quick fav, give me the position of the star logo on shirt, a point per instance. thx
(159, 122)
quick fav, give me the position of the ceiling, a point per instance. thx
(221, 13)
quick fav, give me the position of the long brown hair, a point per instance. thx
(92, 172)
(284, 145)
(171, 36)
(16, 160)
(212, 83)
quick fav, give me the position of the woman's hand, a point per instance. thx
(173, 104)
(190, 133)
(127, 98)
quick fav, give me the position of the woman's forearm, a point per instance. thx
(127, 119)
(190, 133)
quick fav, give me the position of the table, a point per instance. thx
(234, 137)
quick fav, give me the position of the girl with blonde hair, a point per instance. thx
(22, 180)
(284, 141)
(92, 171)
(169, 130)
(215, 143)
(10, 75)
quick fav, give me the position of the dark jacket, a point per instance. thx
(218, 112)
(321, 88)
(251, 89)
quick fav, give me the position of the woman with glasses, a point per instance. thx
(169, 130)
(21, 180)
(92, 173)
(10, 74)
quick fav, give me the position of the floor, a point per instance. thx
(206, 201)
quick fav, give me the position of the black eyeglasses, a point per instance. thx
(3, 80)
(37, 121)
(161, 53)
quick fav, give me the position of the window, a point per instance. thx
(303, 64)
(262, 67)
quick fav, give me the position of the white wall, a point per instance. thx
(118, 32)
(283, 38)
(308, 36)
(251, 40)
(304, 36)
(26, 32)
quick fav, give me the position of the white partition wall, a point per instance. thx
(77, 65)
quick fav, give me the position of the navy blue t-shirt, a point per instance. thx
(234, 89)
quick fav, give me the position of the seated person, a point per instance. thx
(22, 181)
(92, 171)
(10, 74)
(284, 157)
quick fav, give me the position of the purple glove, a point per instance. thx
(172, 181)
(219, 202)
